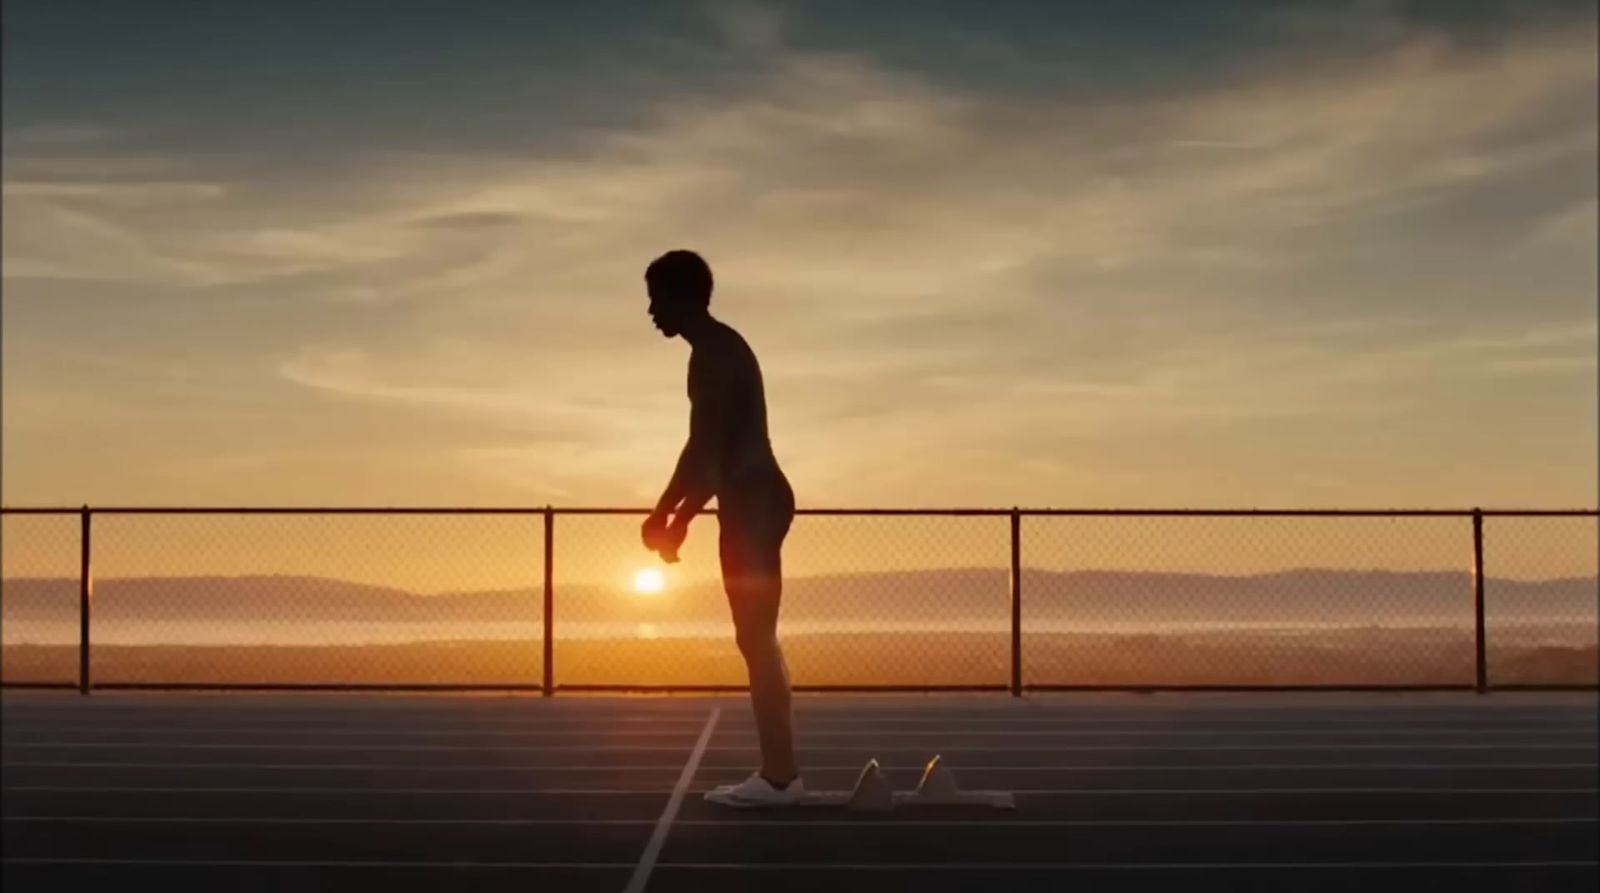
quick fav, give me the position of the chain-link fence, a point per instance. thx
(909, 600)
(857, 610)
(40, 563)
(313, 599)
(1247, 601)
(1541, 610)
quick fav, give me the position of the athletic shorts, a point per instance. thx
(753, 520)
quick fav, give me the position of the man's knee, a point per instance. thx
(754, 643)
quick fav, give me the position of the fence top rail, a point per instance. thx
(849, 512)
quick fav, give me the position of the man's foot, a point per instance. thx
(756, 791)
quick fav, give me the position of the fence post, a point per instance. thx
(85, 585)
(1477, 601)
(549, 602)
(1016, 603)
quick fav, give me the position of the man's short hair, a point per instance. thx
(683, 275)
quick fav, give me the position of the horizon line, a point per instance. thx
(992, 511)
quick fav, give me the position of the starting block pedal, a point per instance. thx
(873, 793)
(938, 788)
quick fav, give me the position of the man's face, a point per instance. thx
(665, 312)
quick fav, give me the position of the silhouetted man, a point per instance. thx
(729, 456)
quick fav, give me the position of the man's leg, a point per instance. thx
(755, 598)
(752, 538)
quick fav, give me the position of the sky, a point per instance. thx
(1247, 254)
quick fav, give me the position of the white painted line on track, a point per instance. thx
(591, 732)
(248, 863)
(806, 866)
(918, 766)
(296, 820)
(816, 823)
(351, 767)
(644, 748)
(587, 732)
(451, 792)
(1084, 792)
(658, 838)
(531, 767)
(1240, 792)
(365, 748)
(1107, 866)
(1225, 767)
(1140, 823)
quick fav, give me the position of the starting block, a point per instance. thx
(938, 787)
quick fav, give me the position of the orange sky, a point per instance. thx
(1354, 269)
(432, 554)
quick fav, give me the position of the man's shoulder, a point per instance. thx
(726, 355)
(725, 346)
(729, 336)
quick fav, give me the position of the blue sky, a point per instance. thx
(1037, 253)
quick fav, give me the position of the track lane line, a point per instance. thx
(658, 838)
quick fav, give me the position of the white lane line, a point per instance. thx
(1107, 866)
(820, 767)
(658, 838)
(1080, 792)
(249, 863)
(1219, 767)
(802, 823)
(1140, 823)
(1241, 792)
(590, 732)
(348, 767)
(799, 823)
(409, 792)
(296, 820)
(365, 748)
(649, 748)
(1052, 867)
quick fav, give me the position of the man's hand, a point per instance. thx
(672, 540)
(653, 527)
(664, 536)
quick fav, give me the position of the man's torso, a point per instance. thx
(750, 476)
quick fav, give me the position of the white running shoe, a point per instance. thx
(756, 791)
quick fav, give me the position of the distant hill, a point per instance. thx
(946, 596)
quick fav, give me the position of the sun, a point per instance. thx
(649, 581)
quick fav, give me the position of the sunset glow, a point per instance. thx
(649, 581)
(1076, 266)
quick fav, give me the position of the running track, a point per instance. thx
(1115, 792)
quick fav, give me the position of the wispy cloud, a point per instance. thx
(925, 268)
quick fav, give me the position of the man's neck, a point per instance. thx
(696, 329)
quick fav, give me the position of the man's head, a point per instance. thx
(679, 284)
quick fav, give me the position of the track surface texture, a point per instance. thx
(1303, 792)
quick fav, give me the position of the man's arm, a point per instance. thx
(699, 475)
(696, 477)
(673, 494)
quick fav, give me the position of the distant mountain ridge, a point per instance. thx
(952, 595)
